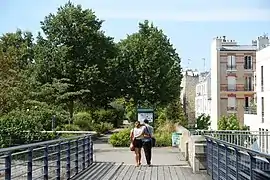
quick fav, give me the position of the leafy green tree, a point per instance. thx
(229, 123)
(175, 113)
(76, 58)
(149, 67)
(203, 122)
(16, 65)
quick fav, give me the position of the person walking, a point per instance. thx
(136, 136)
(148, 141)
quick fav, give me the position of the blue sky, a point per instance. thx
(190, 24)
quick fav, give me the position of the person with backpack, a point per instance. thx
(148, 141)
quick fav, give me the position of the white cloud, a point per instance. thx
(191, 15)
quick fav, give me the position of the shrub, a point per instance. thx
(20, 128)
(112, 116)
(103, 127)
(84, 121)
(120, 139)
(163, 139)
(68, 127)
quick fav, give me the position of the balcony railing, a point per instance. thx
(250, 110)
(249, 88)
(231, 67)
(231, 108)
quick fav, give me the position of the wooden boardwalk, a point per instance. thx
(120, 171)
(118, 164)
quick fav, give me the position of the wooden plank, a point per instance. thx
(129, 172)
(123, 173)
(166, 173)
(88, 172)
(161, 173)
(141, 173)
(180, 173)
(154, 173)
(113, 172)
(100, 172)
(118, 173)
(173, 173)
(147, 173)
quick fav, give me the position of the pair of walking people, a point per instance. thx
(141, 136)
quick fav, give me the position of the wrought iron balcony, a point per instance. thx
(231, 108)
(231, 67)
(249, 88)
(250, 110)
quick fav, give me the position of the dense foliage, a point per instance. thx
(76, 73)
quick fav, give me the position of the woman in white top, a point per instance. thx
(136, 136)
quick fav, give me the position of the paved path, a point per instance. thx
(118, 164)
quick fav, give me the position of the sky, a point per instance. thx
(190, 24)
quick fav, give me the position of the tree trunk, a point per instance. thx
(71, 110)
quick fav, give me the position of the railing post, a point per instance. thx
(236, 162)
(88, 150)
(29, 164)
(8, 166)
(207, 155)
(212, 158)
(58, 162)
(252, 165)
(77, 157)
(45, 161)
(91, 150)
(218, 159)
(226, 161)
(68, 161)
(83, 153)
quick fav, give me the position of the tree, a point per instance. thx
(203, 122)
(175, 113)
(229, 123)
(75, 57)
(149, 67)
(16, 62)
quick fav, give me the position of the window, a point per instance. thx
(248, 62)
(262, 109)
(231, 62)
(246, 102)
(231, 102)
(262, 81)
(248, 83)
(231, 83)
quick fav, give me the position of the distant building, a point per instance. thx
(257, 117)
(232, 77)
(203, 95)
(188, 93)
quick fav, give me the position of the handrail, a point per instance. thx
(25, 146)
(254, 152)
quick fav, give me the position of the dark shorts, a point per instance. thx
(137, 143)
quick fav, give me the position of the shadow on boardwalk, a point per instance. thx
(118, 164)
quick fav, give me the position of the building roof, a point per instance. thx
(239, 48)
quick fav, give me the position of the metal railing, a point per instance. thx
(231, 108)
(55, 159)
(253, 140)
(229, 161)
(231, 67)
(250, 110)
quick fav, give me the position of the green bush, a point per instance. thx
(120, 139)
(84, 121)
(103, 127)
(68, 127)
(20, 127)
(112, 116)
(163, 139)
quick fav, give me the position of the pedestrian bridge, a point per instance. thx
(81, 158)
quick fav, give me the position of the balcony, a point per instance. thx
(232, 109)
(249, 88)
(250, 110)
(231, 67)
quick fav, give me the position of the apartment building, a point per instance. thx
(232, 74)
(188, 93)
(203, 95)
(257, 117)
